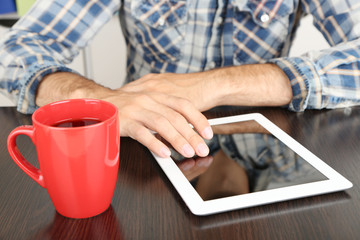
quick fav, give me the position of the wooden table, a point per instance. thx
(146, 206)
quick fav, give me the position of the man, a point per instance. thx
(201, 53)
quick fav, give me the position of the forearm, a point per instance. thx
(35, 47)
(251, 85)
(248, 85)
(65, 85)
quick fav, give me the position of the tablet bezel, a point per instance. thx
(335, 181)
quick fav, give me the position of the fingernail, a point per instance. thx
(165, 152)
(188, 150)
(202, 149)
(208, 133)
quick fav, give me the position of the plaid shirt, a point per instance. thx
(191, 36)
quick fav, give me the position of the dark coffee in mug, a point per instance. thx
(76, 123)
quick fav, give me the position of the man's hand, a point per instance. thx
(139, 113)
(167, 115)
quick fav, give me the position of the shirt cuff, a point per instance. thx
(30, 82)
(305, 82)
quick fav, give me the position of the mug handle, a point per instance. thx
(19, 159)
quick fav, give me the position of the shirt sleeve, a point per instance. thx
(328, 78)
(47, 38)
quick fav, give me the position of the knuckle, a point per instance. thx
(177, 141)
(160, 121)
(143, 98)
(138, 132)
(184, 104)
(194, 138)
(177, 118)
(153, 145)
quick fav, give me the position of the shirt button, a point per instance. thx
(219, 20)
(161, 21)
(211, 65)
(264, 18)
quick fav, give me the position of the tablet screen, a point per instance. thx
(245, 158)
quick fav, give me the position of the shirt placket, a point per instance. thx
(214, 52)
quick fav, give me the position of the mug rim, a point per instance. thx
(84, 100)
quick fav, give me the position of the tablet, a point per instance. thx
(251, 162)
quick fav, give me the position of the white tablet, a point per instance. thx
(251, 162)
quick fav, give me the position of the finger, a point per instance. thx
(182, 106)
(143, 135)
(150, 114)
(157, 122)
(192, 115)
(155, 115)
(192, 137)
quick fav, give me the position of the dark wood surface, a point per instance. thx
(146, 206)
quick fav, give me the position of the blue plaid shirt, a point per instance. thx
(191, 36)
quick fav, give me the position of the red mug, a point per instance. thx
(78, 147)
